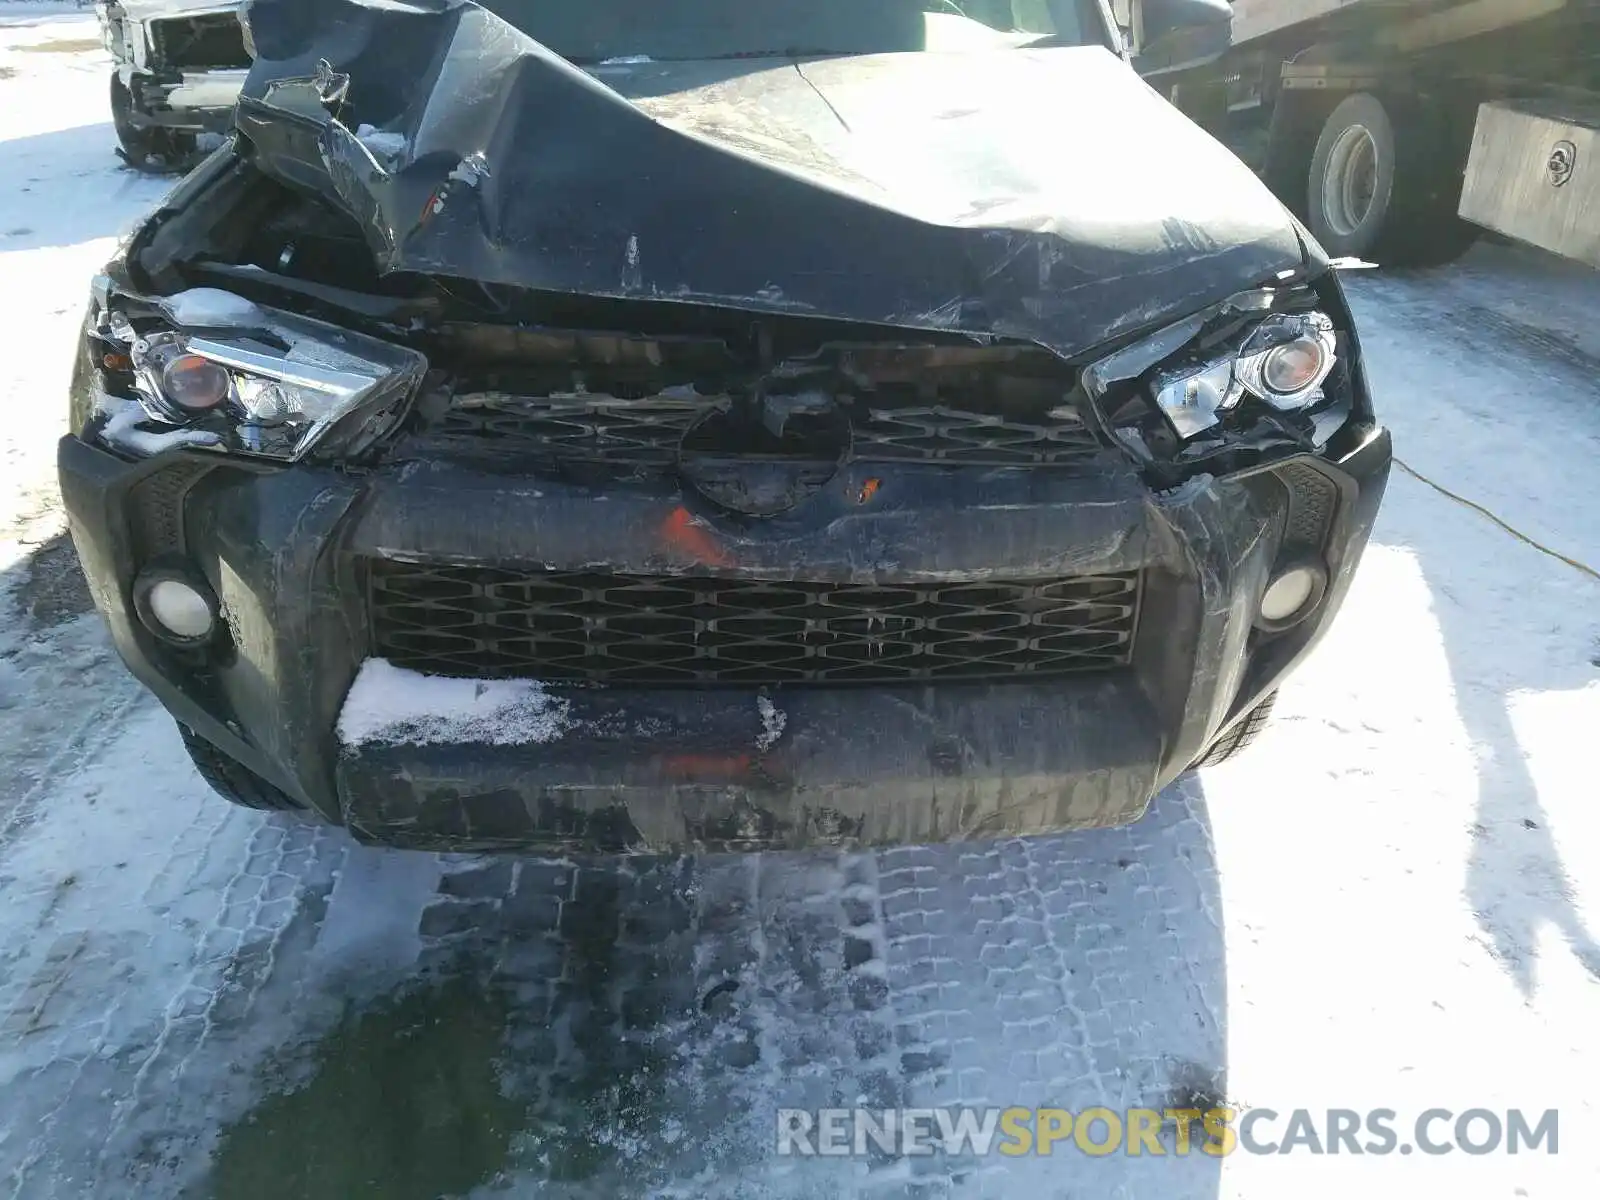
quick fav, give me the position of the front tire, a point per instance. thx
(146, 147)
(1385, 182)
(231, 779)
(1236, 740)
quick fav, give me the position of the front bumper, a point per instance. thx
(668, 768)
(186, 101)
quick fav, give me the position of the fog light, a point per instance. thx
(174, 607)
(1290, 596)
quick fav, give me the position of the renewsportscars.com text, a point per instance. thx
(1150, 1131)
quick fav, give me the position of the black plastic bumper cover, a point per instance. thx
(665, 768)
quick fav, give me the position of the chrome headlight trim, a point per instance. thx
(290, 379)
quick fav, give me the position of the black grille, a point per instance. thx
(155, 508)
(208, 40)
(952, 436)
(584, 626)
(634, 433)
(646, 432)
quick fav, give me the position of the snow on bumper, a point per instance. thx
(389, 705)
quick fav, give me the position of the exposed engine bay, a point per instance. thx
(601, 387)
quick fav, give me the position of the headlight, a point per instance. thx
(229, 375)
(1283, 361)
(179, 384)
(1261, 373)
(1286, 359)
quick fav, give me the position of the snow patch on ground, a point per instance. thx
(389, 705)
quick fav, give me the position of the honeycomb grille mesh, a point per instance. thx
(954, 436)
(631, 433)
(646, 432)
(584, 626)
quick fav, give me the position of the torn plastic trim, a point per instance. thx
(1222, 352)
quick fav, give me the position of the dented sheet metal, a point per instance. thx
(1045, 194)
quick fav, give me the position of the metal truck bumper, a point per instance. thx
(286, 551)
(193, 101)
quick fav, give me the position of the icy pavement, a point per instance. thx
(1392, 901)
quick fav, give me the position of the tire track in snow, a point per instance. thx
(122, 696)
(139, 1043)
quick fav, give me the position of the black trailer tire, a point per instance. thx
(1384, 184)
(1234, 741)
(147, 147)
(231, 779)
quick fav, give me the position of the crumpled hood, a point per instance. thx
(1040, 194)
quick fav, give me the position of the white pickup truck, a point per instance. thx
(1398, 129)
(179, 67)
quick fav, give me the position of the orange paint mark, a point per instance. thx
(681, 533)
(435, 204)
(869, 489)
(116, 362)
(701, 767)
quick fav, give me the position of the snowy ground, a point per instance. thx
(1394, 901)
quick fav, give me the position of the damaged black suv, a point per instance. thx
(723, 424)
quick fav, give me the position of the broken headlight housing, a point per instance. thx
(1282, 362)
(211, 370)
(1267, 368)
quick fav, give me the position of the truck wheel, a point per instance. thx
(1240, 736)
(146, 147)
(232, 780)
(1385, 184)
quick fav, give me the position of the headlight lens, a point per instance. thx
(193, 383)
(1283, 361)
(1291, 368)
(1287, 358)
(255, 381)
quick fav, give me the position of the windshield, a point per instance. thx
(591, 31)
